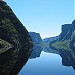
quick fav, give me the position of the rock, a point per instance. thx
(15, 42)
(37, 42)
(66, 44)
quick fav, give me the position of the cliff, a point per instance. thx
(15, 42)
(66, 44)
(37, 44)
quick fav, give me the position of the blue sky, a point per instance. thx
(74, 9)
(43, 16)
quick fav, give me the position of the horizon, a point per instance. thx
(44, 16)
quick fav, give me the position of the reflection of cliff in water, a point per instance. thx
(46, 64)
(68, 57)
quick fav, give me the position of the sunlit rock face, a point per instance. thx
(15, 42)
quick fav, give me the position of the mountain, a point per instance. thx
(49, 39)
(37, 44)
(15, 42)
(46, 47)
(66, 44)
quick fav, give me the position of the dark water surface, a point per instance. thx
(46, 64)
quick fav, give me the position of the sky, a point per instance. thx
(43, 16)
(74, 9)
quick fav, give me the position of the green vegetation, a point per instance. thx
(64, 45)
(6, 23)
(4, 46)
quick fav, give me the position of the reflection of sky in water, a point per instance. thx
(47, 64)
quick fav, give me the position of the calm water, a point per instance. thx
(46, 64)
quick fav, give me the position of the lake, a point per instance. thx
(46, 64)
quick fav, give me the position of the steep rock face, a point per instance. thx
(15, 42)
(37, 42)
(66, 44)
(65, 30)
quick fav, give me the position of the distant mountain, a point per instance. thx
(49, 39)
(66, 44)
(15, 42)
(46, 47)
(37, 44)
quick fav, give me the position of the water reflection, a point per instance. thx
(46, 64)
